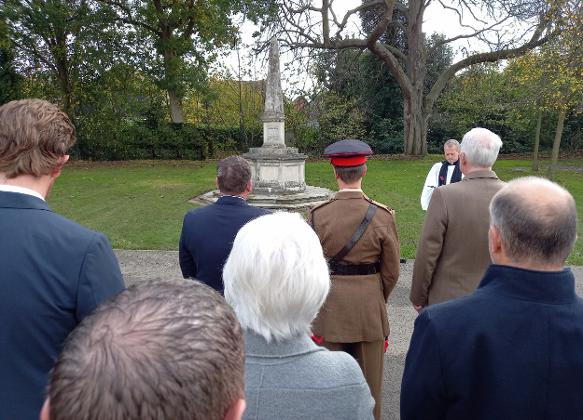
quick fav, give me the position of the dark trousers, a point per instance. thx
(370, 356)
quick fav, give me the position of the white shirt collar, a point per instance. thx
(234, 196)
(20, 190)
(352, 189)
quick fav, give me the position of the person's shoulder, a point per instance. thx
(258, 211)
(456, 311)
(436, 165)
(321, 205)
(201, 211)
(454, 190)
(72, 228)
(340, 365)
(383, 207)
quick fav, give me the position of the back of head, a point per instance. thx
(34, 134)
(233, 175)
(350, 174)
(160, 350)
(276, 277)
(480, 147)
(536, 219)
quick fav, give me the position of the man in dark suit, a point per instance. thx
(208, 232)
(512, 349)
(452, 253)
(53, 272)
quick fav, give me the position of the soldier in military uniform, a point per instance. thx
(360, 240)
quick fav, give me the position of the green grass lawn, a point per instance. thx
(140, 205)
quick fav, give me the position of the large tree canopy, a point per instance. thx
(67, 40)
(176, 39)
(393, 31)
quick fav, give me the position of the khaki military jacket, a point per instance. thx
(355, 309)
(452, 254)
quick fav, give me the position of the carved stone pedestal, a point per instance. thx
(277, 170)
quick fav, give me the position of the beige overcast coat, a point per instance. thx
(452, 254)
(355, 309)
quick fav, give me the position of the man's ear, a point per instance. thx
(217, 183)
(365, 169)
(235, 411)
(44, 412)
(494, 244)
(60, 163)
(249, 186)
(463, 161)
(335, 173)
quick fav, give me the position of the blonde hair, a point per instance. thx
(34, 134)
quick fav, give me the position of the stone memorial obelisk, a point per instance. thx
(277, 169)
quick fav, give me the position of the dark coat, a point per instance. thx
(511, 350)
(53, 273)
(207, 238)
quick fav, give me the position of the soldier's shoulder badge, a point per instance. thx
(380, 205)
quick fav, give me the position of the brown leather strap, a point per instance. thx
(372, 209)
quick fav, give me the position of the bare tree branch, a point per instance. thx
(492, 56)
(472, 35)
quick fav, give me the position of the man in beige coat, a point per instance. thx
(452, 254)
(354, 317)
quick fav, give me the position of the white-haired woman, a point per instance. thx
(276, 279)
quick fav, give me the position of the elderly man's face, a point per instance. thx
(451, 154)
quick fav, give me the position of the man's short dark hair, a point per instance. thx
(159, 350)
(537, 220)
(350, 174)
(233, 175)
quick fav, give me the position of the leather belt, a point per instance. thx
(354, 270)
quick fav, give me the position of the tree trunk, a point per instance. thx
(415, 128)
(170, 82)
(175, 102)
(557, 143)
(414, 118)
(539, 117)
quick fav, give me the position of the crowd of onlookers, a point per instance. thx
(499, 332)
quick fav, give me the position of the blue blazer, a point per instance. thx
(511, 350)
(207, 238)
(53, 273)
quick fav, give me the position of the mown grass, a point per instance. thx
(140, 205)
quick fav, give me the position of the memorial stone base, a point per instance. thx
(277, 170)
(278, 181)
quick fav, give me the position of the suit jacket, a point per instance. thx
(207, 238)
(511, 350)
(53, 273)
(296, 379)
(452, 254)
(355, 309)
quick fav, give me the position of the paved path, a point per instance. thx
(145, 265)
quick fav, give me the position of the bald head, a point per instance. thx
(536, 220)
